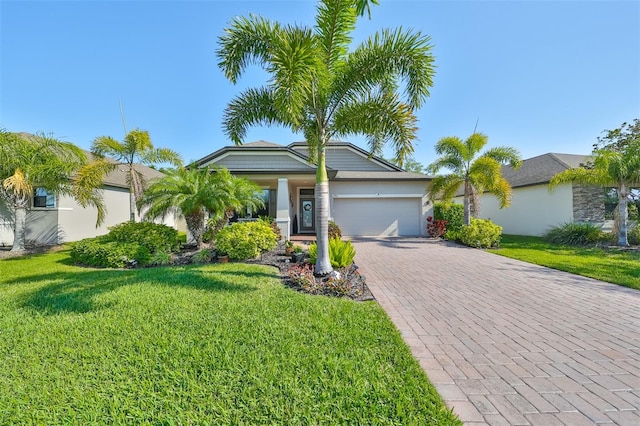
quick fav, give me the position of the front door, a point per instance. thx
(307, 215)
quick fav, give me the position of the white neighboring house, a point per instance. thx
(534, 209)
(368, 195)
(56, 219)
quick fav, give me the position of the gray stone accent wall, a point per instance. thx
(588, 203)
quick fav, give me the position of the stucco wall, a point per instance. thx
(533, 209)
(383, 191)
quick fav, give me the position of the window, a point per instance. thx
(44, 199)
(270, 201)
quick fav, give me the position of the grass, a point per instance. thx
(614, 266)
(214, 344)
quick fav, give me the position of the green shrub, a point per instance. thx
(182, 237)
(481, 233)
(451, 212)
(161, 258)
(634, 235)
(202, 256)
(341, 253)
(334, 230)
(576, 234)
(246, 240)
(102, 253)
(155, 237)
(274, 226)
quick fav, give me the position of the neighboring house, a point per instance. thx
(368, 195)
(57, 219)
(534, 209)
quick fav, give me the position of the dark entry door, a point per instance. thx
(307, 215)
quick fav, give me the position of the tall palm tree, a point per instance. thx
(619, 168)
(40, 161)
(135, 148)
(195, 194)
(476, 172)
(324, 91)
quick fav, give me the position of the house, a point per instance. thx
(368, 195)
(534, 208)
(55, 219)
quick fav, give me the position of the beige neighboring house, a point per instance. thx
(534, 209)
(368, 195)
(55, 219)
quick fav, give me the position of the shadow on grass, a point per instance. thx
(77, 291)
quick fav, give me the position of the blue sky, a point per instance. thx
(542, 76)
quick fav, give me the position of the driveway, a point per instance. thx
(507, 342)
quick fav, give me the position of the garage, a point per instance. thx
(379, 217)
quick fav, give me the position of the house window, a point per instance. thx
(270, 203)
(44, 199)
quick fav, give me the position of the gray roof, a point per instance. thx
(391, 175)
(540, 169)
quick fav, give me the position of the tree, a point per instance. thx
(135, 148)
(319, 88)
(477, 173)
(195, 194)
(410, 164)
(616, 164)
(28, 162)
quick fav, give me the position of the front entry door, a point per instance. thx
(307, 215)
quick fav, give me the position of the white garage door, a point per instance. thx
(377, 217)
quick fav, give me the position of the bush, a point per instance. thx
(102, 253)
(161, 258)
(341, 253)
(634, 235)
(274, 226)
(302, 276)
(451, 212)
(202, 256)
(246, 240)
(481, 233)
(334, 230)
(155, 237)
(576, 234)
(436, 228)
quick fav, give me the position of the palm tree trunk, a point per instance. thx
(19, 232)
(195, 225)
(323, 262)
(467, 202)
(622, 215)
(132, 205)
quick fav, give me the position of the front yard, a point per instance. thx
(611, 265)
(214, 344)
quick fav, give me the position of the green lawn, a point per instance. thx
(613, 266)
(215, 344)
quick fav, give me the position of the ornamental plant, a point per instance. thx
(246, 240)
(341, 253)
(481, 233)
(436, 227)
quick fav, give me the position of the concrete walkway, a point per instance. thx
(507, 342)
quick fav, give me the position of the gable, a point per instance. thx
(260, 161)
(345, 156)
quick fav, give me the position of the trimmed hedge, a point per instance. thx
(481, 233)
(155, 237)
(246, 240)
(451, 212)
(101, 253)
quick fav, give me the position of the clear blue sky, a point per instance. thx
(542, 76)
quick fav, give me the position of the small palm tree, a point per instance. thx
(135, 148)
(618, 168)
(195, 194)
(476, 172)
(61, 168)
(322, 90)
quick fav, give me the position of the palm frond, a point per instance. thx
(250, 108)
(444, 187)
(161, 156)
(107, 146)
(335, 20)
(505, 155)
(582, 176)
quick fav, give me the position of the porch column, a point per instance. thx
(282, 214)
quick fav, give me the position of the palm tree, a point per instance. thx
(135, 148)
(619, 168)
(478, 173)
(321, 89)
(40, 161)
(195, 194)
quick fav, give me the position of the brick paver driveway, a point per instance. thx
(507, 342)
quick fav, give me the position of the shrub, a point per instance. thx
(451, 212)
(634, 235)
(341, 253)
(334, 230)
(202, 256)
(575, 234)
(436, 228)
(301, 275)
(102, 253)
(245, 240)
(155, 237)
(161, 258)
(274, 226)
(481, 233)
